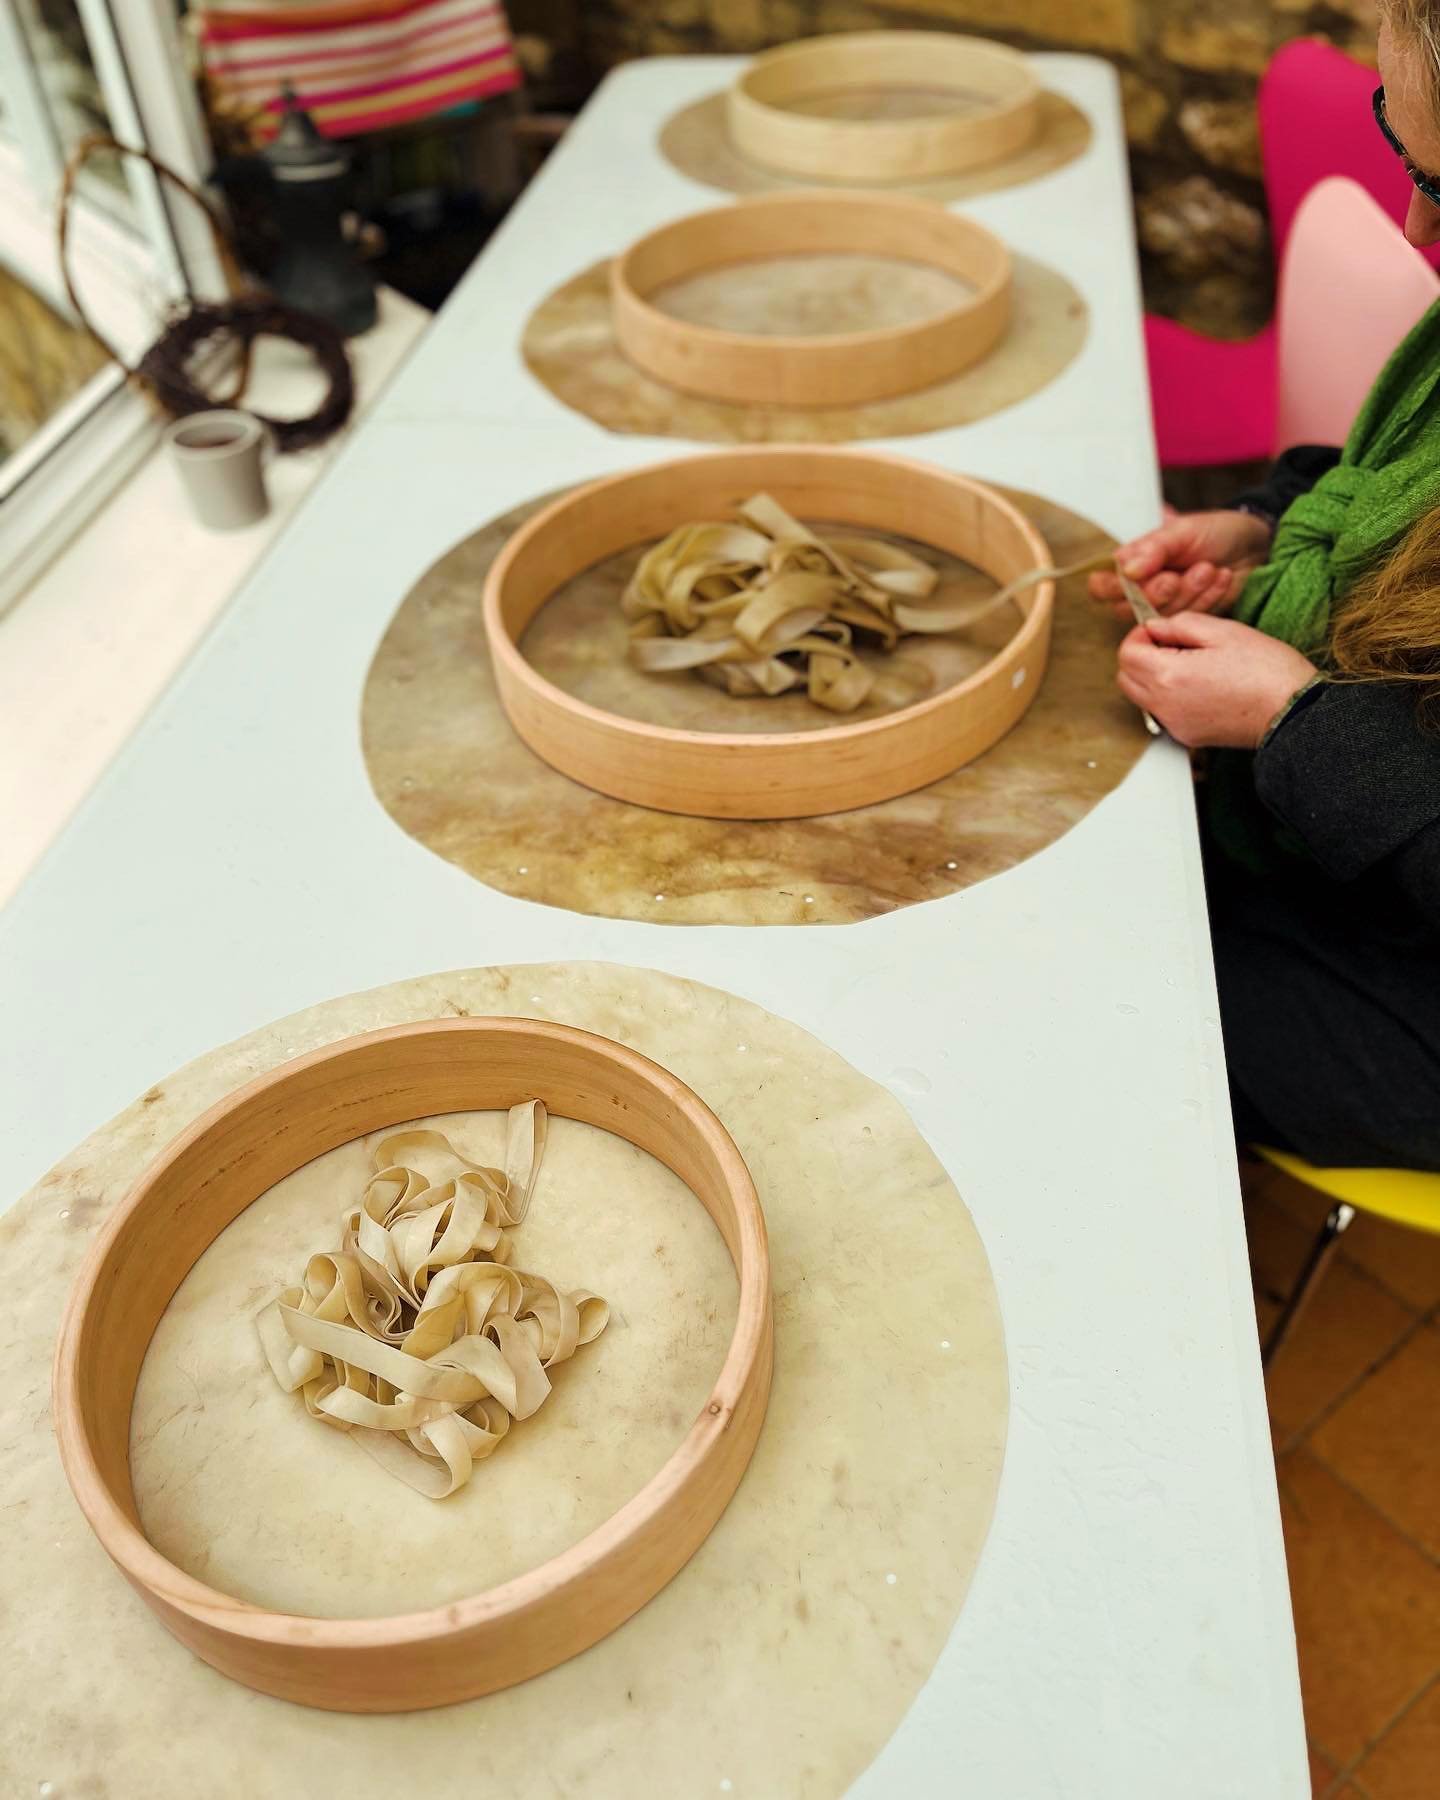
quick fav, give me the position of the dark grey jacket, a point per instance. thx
(1353, 773)
(1330, 982)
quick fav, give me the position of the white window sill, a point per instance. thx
(89, 646)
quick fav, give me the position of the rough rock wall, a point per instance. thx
(43, 361)
(1188, 70)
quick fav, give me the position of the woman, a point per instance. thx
(1319, 702)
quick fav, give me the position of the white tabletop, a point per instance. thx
(1053, 1031)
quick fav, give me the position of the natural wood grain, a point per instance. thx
(767, 126)
(696, 141)
(763, 775)
(570, 346)
(843, 369)
(266, 1130)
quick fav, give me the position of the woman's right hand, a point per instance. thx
(1194, 562)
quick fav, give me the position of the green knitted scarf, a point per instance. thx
(1387, 476)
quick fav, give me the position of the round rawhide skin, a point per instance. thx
(696, 141)
(782, 1657)
(571, 348)
(446, 765)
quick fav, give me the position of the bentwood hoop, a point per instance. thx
(766, 126)
(235, 1153)
(768, 775)
(843, 369)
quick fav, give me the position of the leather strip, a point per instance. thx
(416, 1336)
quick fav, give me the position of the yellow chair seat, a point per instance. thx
(1405, 1196)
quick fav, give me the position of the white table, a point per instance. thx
(120, 622)
(1052, 1031)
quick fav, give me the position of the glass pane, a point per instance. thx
(72, 89)
(43, 363)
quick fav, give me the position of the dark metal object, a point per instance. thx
(1326, 1244)
(316, 269)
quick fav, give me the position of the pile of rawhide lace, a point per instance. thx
(765, 605)
(415, 1336)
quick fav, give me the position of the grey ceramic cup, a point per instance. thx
(220, 457)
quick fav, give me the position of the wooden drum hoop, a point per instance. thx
(768, 775)
(765, 128)
(236, 1152)
(846, 368)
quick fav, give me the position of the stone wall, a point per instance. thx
(1188, 70)
(43, 361)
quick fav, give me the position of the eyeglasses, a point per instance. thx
(1427, 185)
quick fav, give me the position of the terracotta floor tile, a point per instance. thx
(1406, 1261)
(1405, 1764)
(1322, 1773)
(1367, 1608)
(1349, 1324)
(1385, 1441)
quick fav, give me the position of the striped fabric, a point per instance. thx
(356, 64)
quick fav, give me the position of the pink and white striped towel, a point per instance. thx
(356, 64)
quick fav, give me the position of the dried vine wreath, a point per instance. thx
(165, 369)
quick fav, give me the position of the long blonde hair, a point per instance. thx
(1387, 626)
(1419, 22)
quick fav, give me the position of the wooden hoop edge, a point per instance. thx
(524, 691)
(247, 1642)
(875, 151)
(844, 369)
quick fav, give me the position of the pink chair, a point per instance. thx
(1350, 288)
(1315, 120)
(1214, 401)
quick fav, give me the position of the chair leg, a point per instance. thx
(1324, 1247)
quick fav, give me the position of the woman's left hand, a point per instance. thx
(1209, 681)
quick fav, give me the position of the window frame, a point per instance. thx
(78, 457)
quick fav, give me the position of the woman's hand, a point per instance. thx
(1210, 681)
(1194, 562)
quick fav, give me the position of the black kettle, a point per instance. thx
(315, 269)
